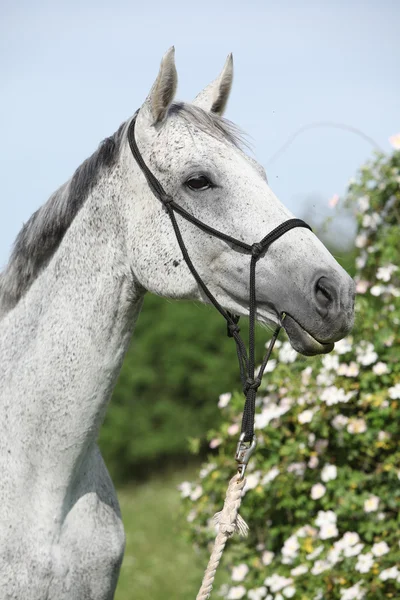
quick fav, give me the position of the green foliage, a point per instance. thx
(323, 489)
(179, 362)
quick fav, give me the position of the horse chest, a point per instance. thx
(77, 557)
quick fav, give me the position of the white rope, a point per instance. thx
(229, 522)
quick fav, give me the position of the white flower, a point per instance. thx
(377, 290)
(305, 416)
(357, 426)
(271, 412)
(364, 562)
(366, 354)
(391, 573)
(363, 203)
(290, 549)
(196, 493)
(306, 375)
(267, 557)
(324, 517)
(371, 504)
(328, 530)
(324, 377)
(215, 442)
(352, 593)
(333, 395)
(371, 221)
(257, 593)
(351, 370)
(185, 489)
(330, 362)
(361, 240)
(380, 548)
(353, 550)
(380, 368)
(361, 260)
(191, 516)
(329, 472)
(233, 429)
(276, 582)
(317, 491)
(270, 475)
(385, 273)
(334, 555)
(313, 462)
(224, 400)
(394, 392)
(300, 570)
(298, 468)
(362, 286)
(287, 354)
(236, 592)
(320, 566)
(239, 572)
(289, 591)
(252, 480)
(315, 553)
(350, 538)
(206, 470)
(339, 422)
(343, 346)
(271, 364)
(306, 531)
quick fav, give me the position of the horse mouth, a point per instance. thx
(302, 341)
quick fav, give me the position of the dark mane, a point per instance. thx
(40, 237)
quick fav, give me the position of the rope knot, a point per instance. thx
(256, 250)
(166, 199)
(232, 329)
(251, 384)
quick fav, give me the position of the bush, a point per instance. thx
(323, 490)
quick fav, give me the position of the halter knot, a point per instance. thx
(232, 329)
(166, 199)
(256, 250)
(251, 384)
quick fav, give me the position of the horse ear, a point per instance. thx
(163, 91)
(214, 97)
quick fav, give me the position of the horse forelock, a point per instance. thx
(209, 123)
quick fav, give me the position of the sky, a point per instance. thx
(71, 72)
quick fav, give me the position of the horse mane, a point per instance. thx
(42, 234)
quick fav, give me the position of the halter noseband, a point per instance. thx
(250, 382)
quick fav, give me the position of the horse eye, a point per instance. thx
(200, 182)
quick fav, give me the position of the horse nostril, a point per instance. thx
(323, 294)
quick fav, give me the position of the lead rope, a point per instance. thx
(228, 519)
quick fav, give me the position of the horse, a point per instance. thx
(69, 299)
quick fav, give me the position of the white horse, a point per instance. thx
(69, 299)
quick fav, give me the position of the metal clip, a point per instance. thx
(244, 452)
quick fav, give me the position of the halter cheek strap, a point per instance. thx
(250, 382)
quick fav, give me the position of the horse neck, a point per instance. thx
(67, 337)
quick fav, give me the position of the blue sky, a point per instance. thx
(73, 71)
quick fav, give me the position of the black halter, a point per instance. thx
(250, 382)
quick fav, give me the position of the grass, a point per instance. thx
(159, 562)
